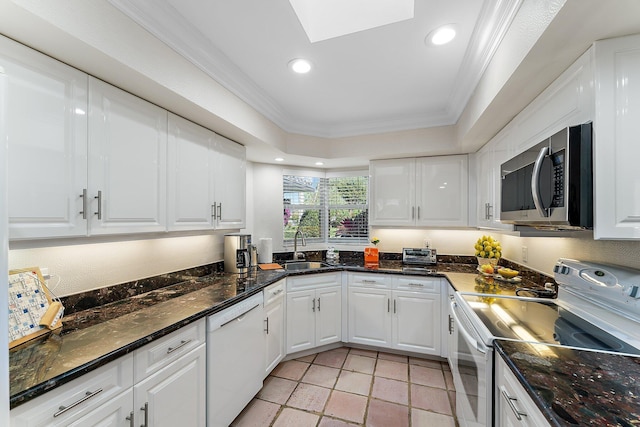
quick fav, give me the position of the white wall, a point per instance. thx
(4, 245)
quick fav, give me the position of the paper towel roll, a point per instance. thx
(265, 250)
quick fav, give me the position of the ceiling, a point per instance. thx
(372, 81)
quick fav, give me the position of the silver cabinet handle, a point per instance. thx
(99, 197)
(418, 212)
(416, 284)
(510, 400)
(145, 408)
(369, 282)
(83, 196)
(213, 211)
(394, 306)
(318, 304)
(388, 302)
(266, 329)
(314, 305)
(413, 212)
(87, 396)
(220, 211)
(182, 344)
(130, 419)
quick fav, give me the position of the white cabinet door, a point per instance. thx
(46, 135)
(616, 148)
(370, 316)
(127, 162)
(190, 168)
(117, 412)
(230, 184)
(301, 327)
(513, 406)
(442, 191)
(393, 189)
(485, 187)
(175, 395)
(417, 322)
(275, 339)
(328, 315)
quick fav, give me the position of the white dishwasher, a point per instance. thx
(235, 359)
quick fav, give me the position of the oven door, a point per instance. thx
(471, 364)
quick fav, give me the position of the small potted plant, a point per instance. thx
(371, 255)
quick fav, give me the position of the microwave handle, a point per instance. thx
(535, 182)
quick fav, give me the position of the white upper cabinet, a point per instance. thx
(190, 183)
(616, 147)
(230, 184)
(127, 162)
(206, 179)
(429, 191)
(46, 129)
(488, 161)
(442, 191)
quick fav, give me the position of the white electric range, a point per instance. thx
(597, 309)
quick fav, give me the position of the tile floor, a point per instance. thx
(353, 387)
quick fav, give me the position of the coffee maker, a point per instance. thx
(239, 254)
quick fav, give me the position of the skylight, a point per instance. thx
(326, 19)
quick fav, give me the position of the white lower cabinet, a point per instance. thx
(121, 394)
(513, 406)
(274, 306)
(314, 311)
(400, 312)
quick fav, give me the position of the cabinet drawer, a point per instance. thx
(77, 398)
(514, 407)
(370, 280)
(417, 284)
(313, 281)
(159, 353)
(273, 292)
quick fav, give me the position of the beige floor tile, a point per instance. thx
(386, 414)
(390, 390)
(426, 376)
(332, 422)
(258, 413)
(358, 363)
(420, 418)
(448, 380)
(290, 417)
(277, 390)
(307, 359)
(309, 397)
(393, 357)
(363, 352)
(291, 370)
(354, 382)
(425, 362)
(430, 399)
(332, 358)
(393, 370)
(346, 406)
(323, 376)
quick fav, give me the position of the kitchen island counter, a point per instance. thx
(576, 387)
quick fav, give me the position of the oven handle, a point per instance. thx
(467, 336)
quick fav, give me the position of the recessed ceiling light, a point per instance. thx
(300, 66)
(279, 159)
(319, 163)
(441, 35)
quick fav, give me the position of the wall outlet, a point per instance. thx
(525, 254)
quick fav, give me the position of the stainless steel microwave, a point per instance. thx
(551, 184)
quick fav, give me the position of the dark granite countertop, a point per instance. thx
(124, 325)
(577, 387)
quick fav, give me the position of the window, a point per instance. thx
(330, 209)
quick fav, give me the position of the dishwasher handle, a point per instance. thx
(240, 317)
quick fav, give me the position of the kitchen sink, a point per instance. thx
(304, 265)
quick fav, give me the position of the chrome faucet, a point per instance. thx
(298, 255)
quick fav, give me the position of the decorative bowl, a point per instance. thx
(492, 261)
